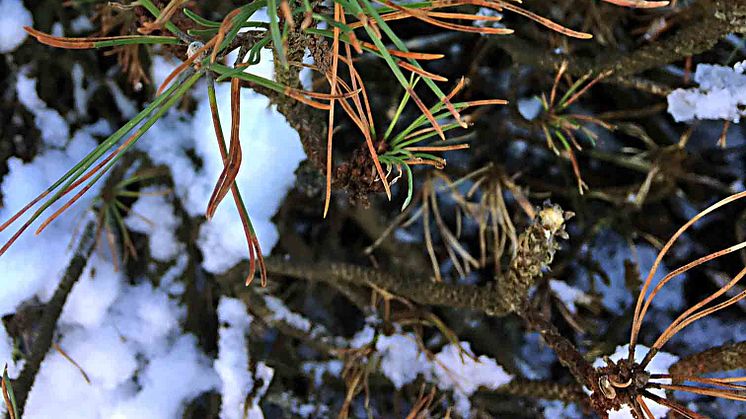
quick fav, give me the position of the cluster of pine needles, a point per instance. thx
(208, 46)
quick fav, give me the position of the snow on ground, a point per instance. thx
(126, 106)
(311, 409)
(127, 337)
(97, 289)
(153, 215)
(708, 332)
(464, 375)
(128, 341)
(660, 364)
(556, 409)
(232, 364)
(611, 250)
(34, 265)
(568, 295)
(125, 334)
(402, 360)
(721, 95)
(13, 17)
(363, 337)
(452, 369)
(53, 127)
(6, 356)
(280, 312)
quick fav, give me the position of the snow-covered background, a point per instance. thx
(129, 353)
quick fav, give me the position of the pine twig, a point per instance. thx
(722, 358)
(535, 251)
(48, 323)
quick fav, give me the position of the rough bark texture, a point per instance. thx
(704, 24)
(722, 358)
(417, 289)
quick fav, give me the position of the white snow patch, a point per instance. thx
(309, 409)
(81, 24)
(488, 12)
(80, 93)
(363, 337)
(306, 74)
(464, 375)
(139, 362)
(232, 364)
(168, 382)
(611, 250)
(153, 215)
(569, 295)
(280, 312)
(93, 294)
(33, 265)
(53, 127)
(401, 358)
(708, 332)
(13, 17)
(169, 279)
(721, 95)
(126, 106)
(147, 316)
(264, 375)
(529, 107)
(453, 368)
(6, 357)
(556, 409)
(162, 67)
(128, 338)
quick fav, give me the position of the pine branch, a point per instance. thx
(48, 323)
(722, 358)
(704, 24)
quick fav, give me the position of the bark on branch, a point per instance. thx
(48, 323)
(722, 358)
(703, 25)
(536, 248)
